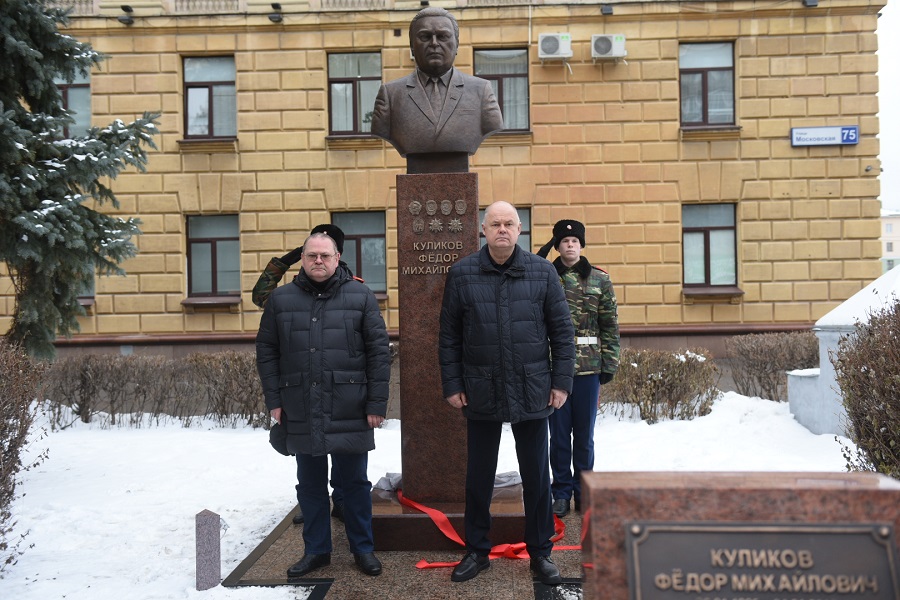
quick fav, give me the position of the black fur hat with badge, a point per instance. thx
(563, 229)
(332, 231)
(568, 228)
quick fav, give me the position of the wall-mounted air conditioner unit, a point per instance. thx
(608, 45)
(554, 45)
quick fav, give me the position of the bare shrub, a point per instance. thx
(133, 390)
(231, 387)
(19, 386)
(760, 361)
(74, 382)
(664, 385)
(867, 370)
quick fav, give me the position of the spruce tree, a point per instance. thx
(53, 238)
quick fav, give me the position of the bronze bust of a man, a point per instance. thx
(436, 109)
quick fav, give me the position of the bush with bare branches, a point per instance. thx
(132, 390)
(867, 370)
(19, 385)
(760, 361)
(664, 385)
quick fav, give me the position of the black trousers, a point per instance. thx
(483, 444)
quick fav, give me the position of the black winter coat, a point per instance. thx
(324, 359)
(498, 332)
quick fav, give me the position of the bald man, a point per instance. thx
(503, 313)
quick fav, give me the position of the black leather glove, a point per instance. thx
(545, 249)
(606, 378)
(292, 256)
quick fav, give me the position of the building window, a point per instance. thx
(890, 264)
(353, 82)
(707, 83)
(76, 99)
(210, 100)
(890, 246)
(213, 255)
(524, 238)
(889, 228)
(507, 70)
(709, 245)
(365, 249)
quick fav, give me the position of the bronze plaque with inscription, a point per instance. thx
(759, 561)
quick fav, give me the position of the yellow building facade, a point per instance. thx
(608, 141)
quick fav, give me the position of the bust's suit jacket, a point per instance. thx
(403, 115)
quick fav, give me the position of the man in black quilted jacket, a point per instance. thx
(324, 361)
(504, 315)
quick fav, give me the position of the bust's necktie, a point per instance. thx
(435, 96)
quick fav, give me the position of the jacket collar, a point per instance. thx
(516, 267)
(341, 276)
(582, 267)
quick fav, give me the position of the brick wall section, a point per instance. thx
(605, 147)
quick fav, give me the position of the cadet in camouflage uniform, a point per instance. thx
(592, 303)
(265, 285)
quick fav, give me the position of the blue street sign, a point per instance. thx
(825, 136)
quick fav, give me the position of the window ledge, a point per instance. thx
(381, 296)
(87, 303)
(713, 293)
(507, 138)
(195, 303)
(208, 145)
(709, 133)
(353, 142)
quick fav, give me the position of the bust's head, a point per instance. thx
(434, 40)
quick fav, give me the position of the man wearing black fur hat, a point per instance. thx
(592, 303)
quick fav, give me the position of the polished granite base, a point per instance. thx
(399, 527)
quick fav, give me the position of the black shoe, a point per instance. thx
(471, 565)
(309, 562)
(337, 511)
(561, 507)
(298, 517)
(368, 563)
(547, 572)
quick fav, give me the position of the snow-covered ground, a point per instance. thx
(111, 512)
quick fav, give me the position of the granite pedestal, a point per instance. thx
(437, 224)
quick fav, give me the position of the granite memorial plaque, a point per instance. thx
(734, 561)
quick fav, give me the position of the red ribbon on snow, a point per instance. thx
(516, 550)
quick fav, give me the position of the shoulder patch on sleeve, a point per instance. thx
(601, 270)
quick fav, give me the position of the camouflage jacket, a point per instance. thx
(268, 281)
(592, 303)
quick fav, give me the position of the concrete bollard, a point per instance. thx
(209, 550)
